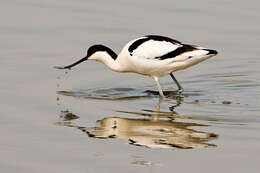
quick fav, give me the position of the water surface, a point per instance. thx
(91, 119)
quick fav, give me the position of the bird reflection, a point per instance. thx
(155, 129)
(152, 134)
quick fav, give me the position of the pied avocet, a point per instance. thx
(150, 55)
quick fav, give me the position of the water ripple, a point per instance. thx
(123, 94)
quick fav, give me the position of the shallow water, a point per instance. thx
(91, 119)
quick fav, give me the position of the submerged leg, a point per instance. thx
(180, 89)
(159, 86)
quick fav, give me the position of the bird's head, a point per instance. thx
(95, 52)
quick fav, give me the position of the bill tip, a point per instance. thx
(59, 67)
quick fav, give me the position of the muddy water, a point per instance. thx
(90, 119)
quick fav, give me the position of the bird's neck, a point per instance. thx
(109, 61)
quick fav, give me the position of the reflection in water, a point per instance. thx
(152, 133)
(156, 129)
(68, 116)
(144, 163)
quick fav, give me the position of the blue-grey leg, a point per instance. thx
(180, 89)
(159, 86)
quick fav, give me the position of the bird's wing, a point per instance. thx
(159, 48)
(152, 46)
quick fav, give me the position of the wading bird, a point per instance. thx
(150, 55)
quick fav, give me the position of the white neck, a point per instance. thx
(106, 59)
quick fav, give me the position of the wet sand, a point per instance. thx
(90, 119)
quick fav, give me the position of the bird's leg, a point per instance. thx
(158, 106)
(155, 116)
(159, 86)
(180, 89)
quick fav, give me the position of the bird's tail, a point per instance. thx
(196, 53)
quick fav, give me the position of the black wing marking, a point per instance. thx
(138, 42)
(180, 50)
(162, 38)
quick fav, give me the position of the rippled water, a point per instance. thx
(91, 119)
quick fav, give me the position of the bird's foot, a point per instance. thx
(161, 95)
(179, 91)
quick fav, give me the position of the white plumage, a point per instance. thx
(150, 49)
(151, 55)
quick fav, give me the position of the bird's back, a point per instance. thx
(157, 55)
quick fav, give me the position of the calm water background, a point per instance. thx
(221, 97)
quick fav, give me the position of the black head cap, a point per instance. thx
(95, 48)
(90, 52)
